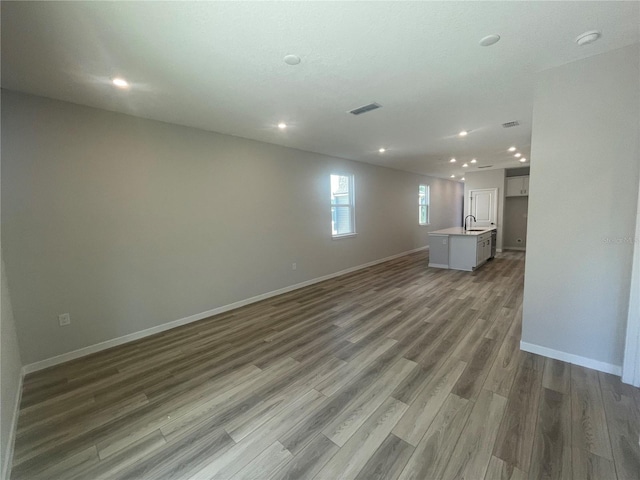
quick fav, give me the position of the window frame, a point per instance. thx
(427, 204)
(351, 205)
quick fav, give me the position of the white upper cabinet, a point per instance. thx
(518, 186)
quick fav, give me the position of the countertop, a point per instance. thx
(462, 231)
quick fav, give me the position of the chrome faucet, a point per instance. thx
(465, 221)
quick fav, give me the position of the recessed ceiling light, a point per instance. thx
(512, 149)
(489, 40)
(473, 160)
(120, 82)
(523, 159)
(382, 150)
(282, 125)
(518, 155)
(453, 160)
(453, 176)
(462, 179)
(291, 59)
(588, 37)
(463, 133)
(465, 165)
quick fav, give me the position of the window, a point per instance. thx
(342, 208)
(423, 205)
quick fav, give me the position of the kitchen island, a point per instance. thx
(460, 249)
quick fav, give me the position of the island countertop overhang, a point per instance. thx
(461, 231)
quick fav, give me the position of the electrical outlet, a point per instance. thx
(294, 266)
(64, 319)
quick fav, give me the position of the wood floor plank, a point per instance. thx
(416, 421)
(465, 348)
(240, 455)
(179, 458)
(33, 441)
(360, 408)
(412, 384)
(504, 367)
(515, 436)
(279, 396)
(475, 373)
(71, 465)
(32, 461)
(223, 407)
(156, 417)
(551, 458)
(353, 456)
(557, 376)
(265, 464)
(589, 423)
(431, 456)
(309, 461)
(388, 461)
(116, 464)
(502, 324)
(356, 365)
(499, 470)
(623, 421)
(587, 466)
(472, 453)
(372, 326)
(58, 412)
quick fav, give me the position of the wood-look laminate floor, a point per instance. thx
(395, 371)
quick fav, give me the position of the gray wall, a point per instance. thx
(488, 179)
(517, 172)
(584, 183)
(10, 371)
(515, 222)
(128, 223)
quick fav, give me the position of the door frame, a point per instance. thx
(495, 203)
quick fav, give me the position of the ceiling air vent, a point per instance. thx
(486, 166)
(365, 108)
(510, 124)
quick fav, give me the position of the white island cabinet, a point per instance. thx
(460, 249)
(438, 250)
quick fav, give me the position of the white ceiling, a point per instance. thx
(219, 66)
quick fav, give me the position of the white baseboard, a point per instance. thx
(8, 454)
(571, 358)
(498, 250)
(65, 357)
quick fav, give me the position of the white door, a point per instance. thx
(483, 204)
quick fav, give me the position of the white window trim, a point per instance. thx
(343, 235)
(428, 195)
(351, 205)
